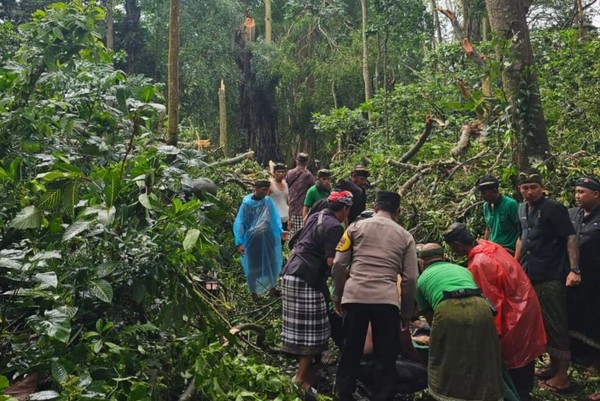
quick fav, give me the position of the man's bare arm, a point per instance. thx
(518, 250)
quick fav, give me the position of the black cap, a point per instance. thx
(588, 182)
(323, 173)
(279, 166)
(261, 183)
(456, 233)
(529, 177)
(488, 181)
(360, 170)
(387, 200)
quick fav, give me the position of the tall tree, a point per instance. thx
(365, 49)
(519, 79)
(257, 99)
(173, 73)
(110, 29)
(133, 34)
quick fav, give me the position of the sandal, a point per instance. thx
(557, 390)
(594, 397)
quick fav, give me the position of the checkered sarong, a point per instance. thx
(296, 224)
(306, 326)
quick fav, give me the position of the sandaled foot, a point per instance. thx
(566, 390)
(594, 397)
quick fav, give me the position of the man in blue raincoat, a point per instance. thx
(258, 232)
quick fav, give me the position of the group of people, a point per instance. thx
(531, 285)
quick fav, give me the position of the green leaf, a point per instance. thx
(75, 229)
(59, 373)
(102, 290)
(44, 255)
(50, 199)
(69, 198)
(4, 176)
(122, 97)
(55, 324)
(191, 237)
(30, 217)
(46, 279)
(44, 395)
(10, 263)
(106, 269)
(145, 201)
(107, 216)
(3, 382)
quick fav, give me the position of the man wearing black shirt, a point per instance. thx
(584, 300)
(355, 184)
(547, 238)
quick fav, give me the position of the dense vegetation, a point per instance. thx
(105, 248)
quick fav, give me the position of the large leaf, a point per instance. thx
(145, 201)
(191, 237)
(50, 199)
(70, 197)
(59, 373)
(44, 395)
(75, 229)
(107, 216)
(46, 255)
(102, 290)
(30, 217)
(48, 279)
(10, 263)
(55, 324)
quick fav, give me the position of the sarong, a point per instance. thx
(551, 295)
(306, 326)
(583, 305)
(297, 224)
(464, 352)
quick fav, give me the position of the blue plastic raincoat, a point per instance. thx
(258, 227)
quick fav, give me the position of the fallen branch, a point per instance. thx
(408, 166)
(429, 120)
(477, 156)
(412, 181)
(466, 132)
(234, 160)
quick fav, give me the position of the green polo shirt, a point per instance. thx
(502, 219)
(439, 277)
(313, 194)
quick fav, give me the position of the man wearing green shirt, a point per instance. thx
(501, 214)
(464, 351)
(320, 190)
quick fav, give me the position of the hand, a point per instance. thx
(404, 324)
(337, 306)
(285, 236)
(241, 250)
(573, 279)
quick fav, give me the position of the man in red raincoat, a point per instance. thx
(519, 318)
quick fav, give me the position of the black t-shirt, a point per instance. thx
(545, 228)
(588, 233)
(315, 244)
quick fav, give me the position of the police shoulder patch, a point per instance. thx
(345, 243)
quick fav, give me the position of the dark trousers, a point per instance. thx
(523, 378)
(385, 326)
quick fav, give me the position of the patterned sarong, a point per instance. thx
(306, 326)
(552, 297)
(464, 352)
(296, 224)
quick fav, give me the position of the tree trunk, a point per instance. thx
(268, 21)
(436, 23)
(132, 31)
(258, 115)
(110, 27)
(173, 74)
(222, 119)
(471, 27)
(580, 19)
(519, 78)
(365, 59)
